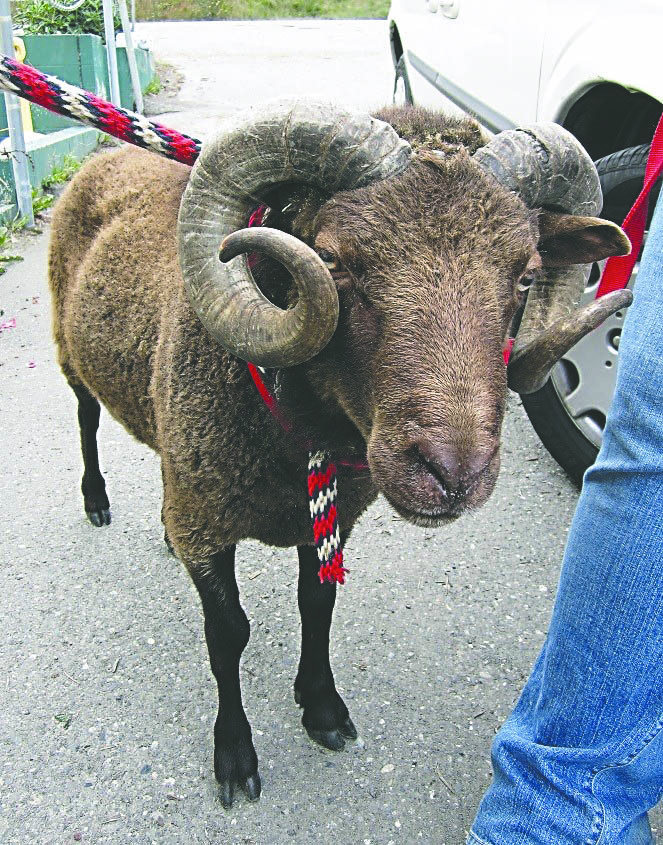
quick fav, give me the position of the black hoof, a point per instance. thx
(326, 718)
(235, 760)
(348, 729)
(227, 793)
(96, 504)
(328, 739)
(99, 517)
(253, 787)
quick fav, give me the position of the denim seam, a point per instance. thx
(599, 820)
(598, 825)
(477, 840)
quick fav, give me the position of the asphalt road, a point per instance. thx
(231, 65)
(106, 700)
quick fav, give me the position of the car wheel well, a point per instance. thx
(609, 117)
(396, 44)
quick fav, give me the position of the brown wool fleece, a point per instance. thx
(125, 330)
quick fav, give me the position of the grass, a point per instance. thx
(7, 232)
(41, 201)
(62, 173)
(153, 86)
(252, 9)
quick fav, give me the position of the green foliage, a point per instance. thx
(65, 719)
(153, 86)
(6, 258)
(252, 9)
(39, 17)
(7, 230)
(6, 240)
(105, 140)
(62, 172)
(181, 9)
(41, 201)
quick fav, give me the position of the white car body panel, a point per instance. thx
(615, 46)
(530, 59)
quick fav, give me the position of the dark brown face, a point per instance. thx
(429, 268)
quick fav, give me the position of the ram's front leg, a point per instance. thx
(325, 717)
(227, 633)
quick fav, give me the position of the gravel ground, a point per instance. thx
(106, 700)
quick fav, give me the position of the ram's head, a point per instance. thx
(408, 270)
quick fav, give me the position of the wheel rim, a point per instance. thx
(585, 378)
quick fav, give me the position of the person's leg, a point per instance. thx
(580, 759)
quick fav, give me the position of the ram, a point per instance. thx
(378, 293)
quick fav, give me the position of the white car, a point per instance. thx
(589, 65)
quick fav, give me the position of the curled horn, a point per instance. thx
(550, 169)
(306, 143)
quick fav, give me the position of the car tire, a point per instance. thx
(573, 435)
(402, 95)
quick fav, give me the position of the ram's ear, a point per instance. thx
(566, 239)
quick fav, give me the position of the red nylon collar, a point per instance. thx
(276, 411)
(618, 269)
(268, 397)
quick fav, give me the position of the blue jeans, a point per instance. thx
(580, 759)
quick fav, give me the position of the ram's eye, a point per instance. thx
(330, 261)
(526, 281)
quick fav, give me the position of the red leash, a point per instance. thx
(619, 268)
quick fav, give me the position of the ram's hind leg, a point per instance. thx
(227, 633)
(97, 506)
(325, 716)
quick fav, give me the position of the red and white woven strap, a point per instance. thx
(322, 491)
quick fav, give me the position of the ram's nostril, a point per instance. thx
(443, 463)
(455, 471)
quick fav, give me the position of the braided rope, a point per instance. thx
(68, 100)
(322, 491)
